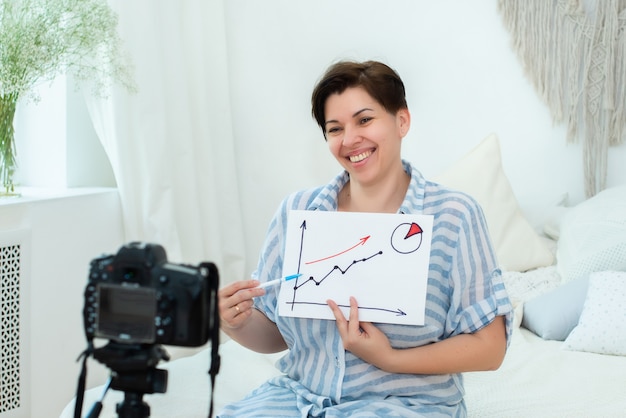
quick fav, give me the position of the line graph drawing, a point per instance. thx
(335, 268)
(380, 259)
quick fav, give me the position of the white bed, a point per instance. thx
(537, 379)
(576, 301)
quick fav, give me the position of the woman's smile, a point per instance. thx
(357, 158)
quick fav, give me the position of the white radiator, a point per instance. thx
(14, 313)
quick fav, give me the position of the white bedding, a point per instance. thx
(537, 378)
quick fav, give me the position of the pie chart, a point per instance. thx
(406, 238)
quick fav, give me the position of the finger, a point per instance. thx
(341, 320)
(243, 307)
(367, 327)
(235, 287)
(241, 312)
(226, 295)
(353, 323)
(236, 315)
(335, 309)
(240, 291)
(235, 301)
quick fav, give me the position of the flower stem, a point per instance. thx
(8, 164)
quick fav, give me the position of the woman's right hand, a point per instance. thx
(235, 302)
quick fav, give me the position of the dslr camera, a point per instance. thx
(137, 297)
(138, 301)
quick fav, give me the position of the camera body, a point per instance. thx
(137, 297)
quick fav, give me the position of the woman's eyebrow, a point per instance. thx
(361, 111)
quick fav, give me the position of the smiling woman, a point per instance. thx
(379, 369)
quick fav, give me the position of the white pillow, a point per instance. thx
(480, 174)
(553, 315)
(552, 224)
(593, 235)
(602, 325)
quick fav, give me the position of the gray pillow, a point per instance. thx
(553, 315)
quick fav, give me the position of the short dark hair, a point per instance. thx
(379, 81)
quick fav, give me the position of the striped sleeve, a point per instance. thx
(463, 252)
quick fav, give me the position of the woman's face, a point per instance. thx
(363, 136)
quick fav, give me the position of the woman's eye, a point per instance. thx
(363, 121)
(333, 130)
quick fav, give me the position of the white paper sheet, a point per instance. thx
(380, 259)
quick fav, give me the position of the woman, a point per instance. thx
(351, 368)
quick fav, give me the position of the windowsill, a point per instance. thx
(37, 194)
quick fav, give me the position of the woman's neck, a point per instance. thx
(382, 197)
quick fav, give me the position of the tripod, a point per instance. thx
(133, 371)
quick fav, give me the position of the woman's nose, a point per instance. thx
(351, 136)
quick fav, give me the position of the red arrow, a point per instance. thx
(361, 242)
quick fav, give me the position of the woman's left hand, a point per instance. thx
(363, 339)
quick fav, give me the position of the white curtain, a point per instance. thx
(171, 144)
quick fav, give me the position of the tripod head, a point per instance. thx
(133, 371)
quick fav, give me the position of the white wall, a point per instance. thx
(67, 230)
(57, 146)
(463, 82)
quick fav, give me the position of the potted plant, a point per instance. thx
(41, 39)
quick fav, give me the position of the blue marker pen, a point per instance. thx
(276, 281)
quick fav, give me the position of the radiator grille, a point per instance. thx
(10, 398)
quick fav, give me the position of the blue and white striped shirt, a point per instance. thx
(322, 379)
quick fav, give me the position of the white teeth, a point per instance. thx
(360, 157)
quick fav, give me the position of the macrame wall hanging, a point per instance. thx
(574, 53)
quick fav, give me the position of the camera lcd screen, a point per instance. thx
(126, 313)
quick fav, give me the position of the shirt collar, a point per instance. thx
(413, 200)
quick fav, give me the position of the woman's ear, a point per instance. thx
(404, 121)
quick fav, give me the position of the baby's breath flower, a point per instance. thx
(41, 39)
